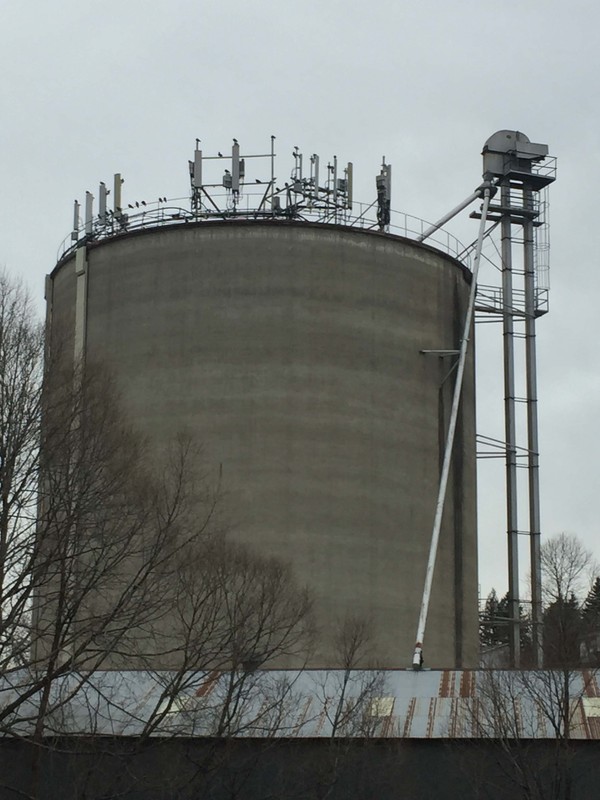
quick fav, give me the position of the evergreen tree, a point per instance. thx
(563, 630)
(494, 622)
(490, 631)
(590, 613)
(590, 623)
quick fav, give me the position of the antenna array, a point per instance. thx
(326, 194)
(312, 192)
(234, 184)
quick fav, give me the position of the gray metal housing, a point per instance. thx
(293, 352)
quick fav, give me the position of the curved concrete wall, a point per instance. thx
(293, 352)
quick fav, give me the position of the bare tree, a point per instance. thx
(88, 534)
(351, 700)
(21, 365)
(515, 711)
(355, 708)
(567, 567)
(108, 562)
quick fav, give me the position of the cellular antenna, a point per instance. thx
(384, 195)
(235, 168)
(118, 181)
(349, 184)
(197, 167)
(335, 184)
(315, 175)
(89, 214)
(75, 231)
(102, 194)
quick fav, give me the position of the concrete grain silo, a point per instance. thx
(293, 350)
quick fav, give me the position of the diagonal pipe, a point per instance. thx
(462, 358)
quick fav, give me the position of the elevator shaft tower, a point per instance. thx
(522, 171)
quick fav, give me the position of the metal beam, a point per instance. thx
(512, 523)
(533, 460)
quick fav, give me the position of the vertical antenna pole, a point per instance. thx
(89, 211)
(235, 168)
(349, 185)
(102, 203)
(197, 177)
(335, 210)
(532, 435)
(117, 193)
(512, 522)
(272, 175)
(75, 232)
(460, 370)
(389, 195)
(316, 194)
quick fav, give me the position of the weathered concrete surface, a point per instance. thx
(293, 352)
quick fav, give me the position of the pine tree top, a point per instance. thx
(591, 606)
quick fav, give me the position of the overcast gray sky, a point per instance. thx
(89, 89)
